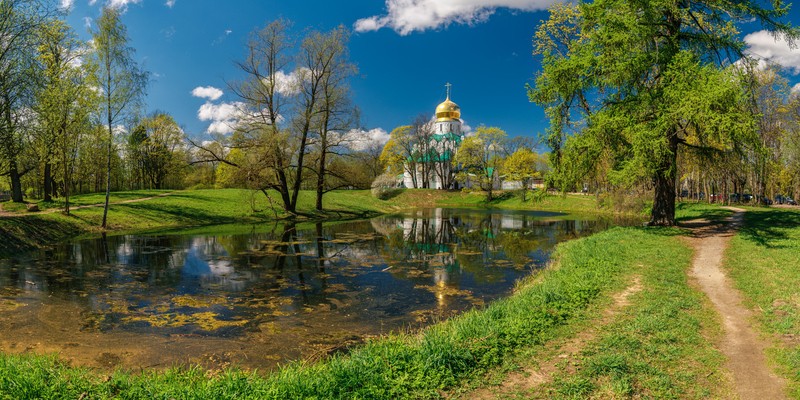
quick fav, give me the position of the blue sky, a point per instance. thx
(406, 50)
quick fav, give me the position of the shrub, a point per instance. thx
(384, 187)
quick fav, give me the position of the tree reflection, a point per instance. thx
(390, 269)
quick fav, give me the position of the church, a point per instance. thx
(436, 162)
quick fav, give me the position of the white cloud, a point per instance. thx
(406, 16)
(92, 2)
(766, 48)
(170, 3)
(121, 5)
(207, 92)
(466, 129)
(289, 84)
(66, 4)
(87, 22)
(218, 112)
(359, 139)
(224, 117)
(222, 127)
(796, 88)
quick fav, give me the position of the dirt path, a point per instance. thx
(517, 383)
(55, 210)
(741, 345)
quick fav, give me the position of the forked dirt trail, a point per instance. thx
(741, 345)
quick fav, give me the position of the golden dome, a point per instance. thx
(448, 111)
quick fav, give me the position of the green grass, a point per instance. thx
(180, 209)
(536, 200)
(421, 365)
(657, 347)
(686, 211)
(764, 262)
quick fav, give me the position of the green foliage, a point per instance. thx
(156, 152)
(120, 80)
(481, 157)
(522, 166)
(635, 80)
(397, 149)
(385, 187)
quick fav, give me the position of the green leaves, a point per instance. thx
(625, 83)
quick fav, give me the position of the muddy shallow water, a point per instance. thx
(256, 299)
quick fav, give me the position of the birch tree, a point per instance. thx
(121, 81)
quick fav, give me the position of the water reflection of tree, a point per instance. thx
(290, 271)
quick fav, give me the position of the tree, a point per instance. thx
(335, 115)
(636, 80)
(64, 103)
(424, 153)
(480, 157)
(19, 22)
(522, 166)
(157, 144)
(399, 153)
(121, 81)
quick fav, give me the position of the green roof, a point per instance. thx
(432, 156)
(447, 136)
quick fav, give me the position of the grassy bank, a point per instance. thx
(180, 209)
(569, 203)
(764, 262)
(167, 211)
(586, 273)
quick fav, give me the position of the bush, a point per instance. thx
(384, 187)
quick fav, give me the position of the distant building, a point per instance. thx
(437, 160)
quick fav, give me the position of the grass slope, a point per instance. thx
(180, 209)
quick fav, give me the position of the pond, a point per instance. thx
(267, 295)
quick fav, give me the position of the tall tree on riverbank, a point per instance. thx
(335, 114)
(294, 110)
(19, 22)
(122, 83)
(637, 80)
(64, 103)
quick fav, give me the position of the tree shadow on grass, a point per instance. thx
(180, 213)
(768, 228)
(667, 231)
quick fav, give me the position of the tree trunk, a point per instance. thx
(67, 181)
(108, 174)
(16, 182)
(663, 213)
(48, 183)
(321, 176)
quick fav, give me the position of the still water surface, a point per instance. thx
(256, 299)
